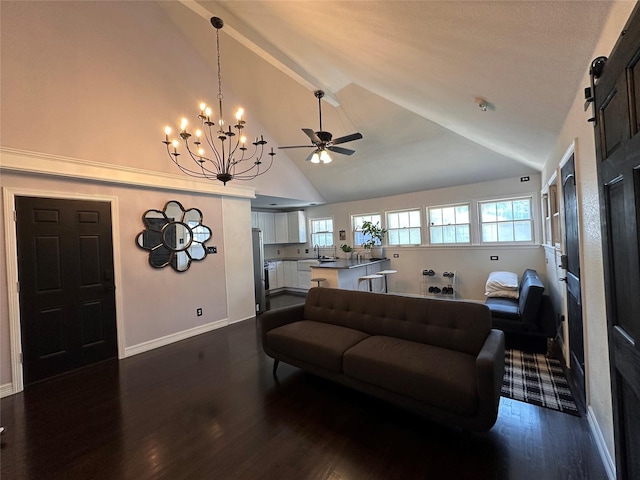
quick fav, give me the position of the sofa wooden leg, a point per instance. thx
(275, 365)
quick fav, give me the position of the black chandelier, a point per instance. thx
(231, 160)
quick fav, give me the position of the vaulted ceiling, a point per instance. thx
(409, 76)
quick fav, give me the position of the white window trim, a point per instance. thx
(353, 226)
(333, 223)
(422, 236)
(535, 224)
(427, 222)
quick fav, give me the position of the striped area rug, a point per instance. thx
(534, 378)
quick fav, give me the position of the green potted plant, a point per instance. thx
(374, 235)
(348, 250)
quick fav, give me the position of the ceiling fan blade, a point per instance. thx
(343, 151)
(297, 146)
(308, 159)
(347, 138)
(312, 135)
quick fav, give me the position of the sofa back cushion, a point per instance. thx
(455, 325)
(531, 290)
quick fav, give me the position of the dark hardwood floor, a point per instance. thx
(209, 408)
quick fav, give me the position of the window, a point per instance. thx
(357, 221)
(506, 220)
(322, 232)
(449, 224)
(404, 227)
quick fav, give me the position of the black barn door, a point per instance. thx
(617, 107)
(67, 297)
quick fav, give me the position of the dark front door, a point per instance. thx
(574, 295)
(67, 295)
(617, 131)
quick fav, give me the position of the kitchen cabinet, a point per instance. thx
(266, 223)
(281, 227)
(279, 275)
(276, 275)
(297, 225)
(304, 279)
(281, 222)
(290, 274)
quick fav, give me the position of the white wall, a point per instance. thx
(472, 262)
(576, 128)
(88, 86)
(154, 306)
(100, 80)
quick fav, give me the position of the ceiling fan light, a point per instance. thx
(324, 156)
(315, 158)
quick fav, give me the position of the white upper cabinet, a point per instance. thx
(282, 227)
(266, 223)
(297, 227)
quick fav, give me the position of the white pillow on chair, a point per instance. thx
(502, 284)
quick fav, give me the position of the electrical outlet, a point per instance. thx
(212, 249)
(396, 255)
(493, 257)
(199, 312)
(524, 179)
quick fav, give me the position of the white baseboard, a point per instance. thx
(174, 337)
(6, 390)
(596, 433)
(231, 322)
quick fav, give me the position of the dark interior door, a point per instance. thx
(574, 295)
(617, 107)
(67, 294)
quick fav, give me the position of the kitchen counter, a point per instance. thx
(288, 259)
(347, 264)
(345, 273)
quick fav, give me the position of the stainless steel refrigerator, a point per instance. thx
(258, 270)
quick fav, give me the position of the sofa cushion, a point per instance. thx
(461, 326)
(504, 308)
(320, 344)
(436, 376)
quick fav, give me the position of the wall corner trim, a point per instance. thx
(596, 434)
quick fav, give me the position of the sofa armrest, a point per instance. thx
(276, 318)
(490, 372)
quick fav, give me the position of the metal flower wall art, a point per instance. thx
(174, 236)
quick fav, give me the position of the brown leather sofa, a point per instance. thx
(437, 358)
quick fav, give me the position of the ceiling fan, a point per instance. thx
(322, 141)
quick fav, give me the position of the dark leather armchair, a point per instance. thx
(531, 314)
